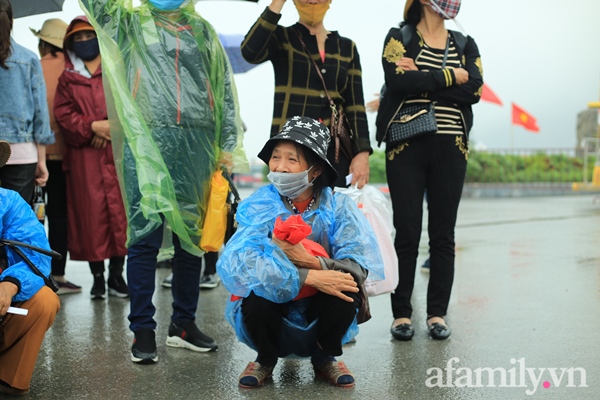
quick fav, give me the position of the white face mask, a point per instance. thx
(290, 184)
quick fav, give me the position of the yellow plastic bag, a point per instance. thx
(215, 222)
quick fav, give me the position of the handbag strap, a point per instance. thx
(446, 51)
(331, 102)
(232, 187)
(14, 245)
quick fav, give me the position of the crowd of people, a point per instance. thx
(127, 170)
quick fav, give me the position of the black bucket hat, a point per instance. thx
(307, 132)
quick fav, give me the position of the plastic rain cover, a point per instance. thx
(173, 112)
(251, 262)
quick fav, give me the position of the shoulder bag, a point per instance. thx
(341, 133)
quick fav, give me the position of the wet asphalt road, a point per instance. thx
(525, 306)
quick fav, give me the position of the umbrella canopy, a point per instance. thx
(232, 44)
(24, 8)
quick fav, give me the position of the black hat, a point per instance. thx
(307, 132)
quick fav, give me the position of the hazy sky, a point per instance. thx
(544, 55)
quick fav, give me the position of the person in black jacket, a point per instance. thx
(418, 70)
(298, 87)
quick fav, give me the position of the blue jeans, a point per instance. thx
(141, 277)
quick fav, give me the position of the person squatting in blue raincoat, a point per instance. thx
(174, 119)
(267, 273)
(21, 336)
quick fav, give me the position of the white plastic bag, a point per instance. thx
(378, 211)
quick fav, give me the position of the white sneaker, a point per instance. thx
(210, 281)
(167, 282)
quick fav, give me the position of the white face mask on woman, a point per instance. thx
(290, 184)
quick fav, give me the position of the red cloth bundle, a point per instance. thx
(294, 230)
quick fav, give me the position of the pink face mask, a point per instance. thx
(446, 9)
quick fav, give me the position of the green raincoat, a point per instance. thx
(173, 112)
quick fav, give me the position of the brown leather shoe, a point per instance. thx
(5, 388)
(254, 375)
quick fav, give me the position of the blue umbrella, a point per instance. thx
(232, 44)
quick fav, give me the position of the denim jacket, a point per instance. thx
(23, 108)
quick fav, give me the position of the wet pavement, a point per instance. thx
(524, 312)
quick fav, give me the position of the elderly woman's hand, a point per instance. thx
(297, 254)
(333, 283)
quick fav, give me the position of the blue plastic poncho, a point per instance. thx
(19, 223)
(251, 262)
(173, 112)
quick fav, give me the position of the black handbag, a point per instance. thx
(233, 199)
(411, 121)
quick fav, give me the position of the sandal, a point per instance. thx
(254, 375)
(335, 372)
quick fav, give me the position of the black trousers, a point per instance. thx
(56, 211)
(20, 178)
(210, 262)
(437, 164)
(263, 321)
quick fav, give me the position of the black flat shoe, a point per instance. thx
(403, 332)
(439, 331)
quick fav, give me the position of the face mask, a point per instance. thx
(446, 9)
(87, 50)
(312, 14)
(288, 184)
(166, 5)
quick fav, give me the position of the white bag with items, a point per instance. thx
(378, 211)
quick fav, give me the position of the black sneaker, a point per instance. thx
(98, 291)
(189, 337)
(117, 286)
(144, 350)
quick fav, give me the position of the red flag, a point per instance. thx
(523, 118)
(488, 95)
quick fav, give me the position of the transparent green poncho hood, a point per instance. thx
(173, 112)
